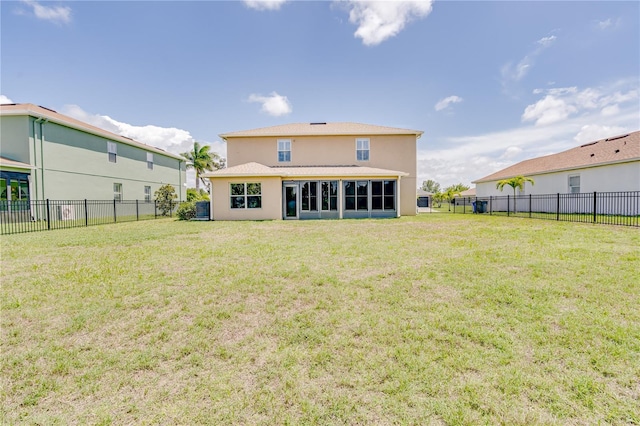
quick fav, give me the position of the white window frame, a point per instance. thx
(571, 188)
(150, 160)
(117, 192)
(284, 146)
(112, 151)
(245, 195)
(363, 150)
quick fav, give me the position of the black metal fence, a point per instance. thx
(31, 216)
(610, 208)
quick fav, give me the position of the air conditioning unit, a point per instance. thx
(66, 212)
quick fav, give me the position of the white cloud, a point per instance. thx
(170, 139)
(512, 74)
(594, 132)
(444, 103)
(468, 158)
(559, 104)
(511, 152)
(603, 25)
(610, 110)
(547, 41)
(55, 14)
(5, 100)
(273, 104)
(264, 4)
(380, 20)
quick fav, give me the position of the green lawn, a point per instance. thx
(437, 319)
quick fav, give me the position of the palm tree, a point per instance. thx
(514, 182)
(201, 160)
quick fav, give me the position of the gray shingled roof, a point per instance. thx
(65, 120)
(616, 149)
(321, 129)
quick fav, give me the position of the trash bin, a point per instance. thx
(481, 206)
(473, 203)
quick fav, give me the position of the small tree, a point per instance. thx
(197, 195)
(164, 197)
(430, 186)
(514, 182)
(437, 199)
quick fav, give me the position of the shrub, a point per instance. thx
(164, 199)
(187, 210)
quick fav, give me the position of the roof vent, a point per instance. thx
(617, 137)
(617, 151)
(317, 124)
(588, 144)
(593, 155)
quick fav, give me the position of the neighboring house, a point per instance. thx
(471, 192)
(47, 155)
(316, 171)
(424, 198)
(607, 165)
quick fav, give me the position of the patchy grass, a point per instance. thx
(438, 319)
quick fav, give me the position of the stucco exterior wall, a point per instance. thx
(14, 138)
(609, 178)
(271, 199)
(392, 152)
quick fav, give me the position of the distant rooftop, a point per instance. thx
(615, 149)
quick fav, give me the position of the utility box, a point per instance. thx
(203, 210)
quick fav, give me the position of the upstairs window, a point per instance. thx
(362, 149)
(112, 149)
(150, 160)
(284, 150)
(574, 184)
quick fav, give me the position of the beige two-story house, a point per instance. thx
(316, 171)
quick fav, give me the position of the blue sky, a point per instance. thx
(489, 83)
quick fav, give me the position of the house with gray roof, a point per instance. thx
(316, 171)
(605, 165)
(48, 155)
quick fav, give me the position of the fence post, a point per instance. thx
(48, 216)
(558, 207)
(464, 205)
(115, 218)
(529, 205)
(490, 205)
(86, 213)
(171, 208)
(137, 213)
(155, 209)
(508, 205)
(595, 217)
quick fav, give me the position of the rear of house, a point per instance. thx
(316, 171)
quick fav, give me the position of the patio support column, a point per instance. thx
(398, 204)
(340, 198)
